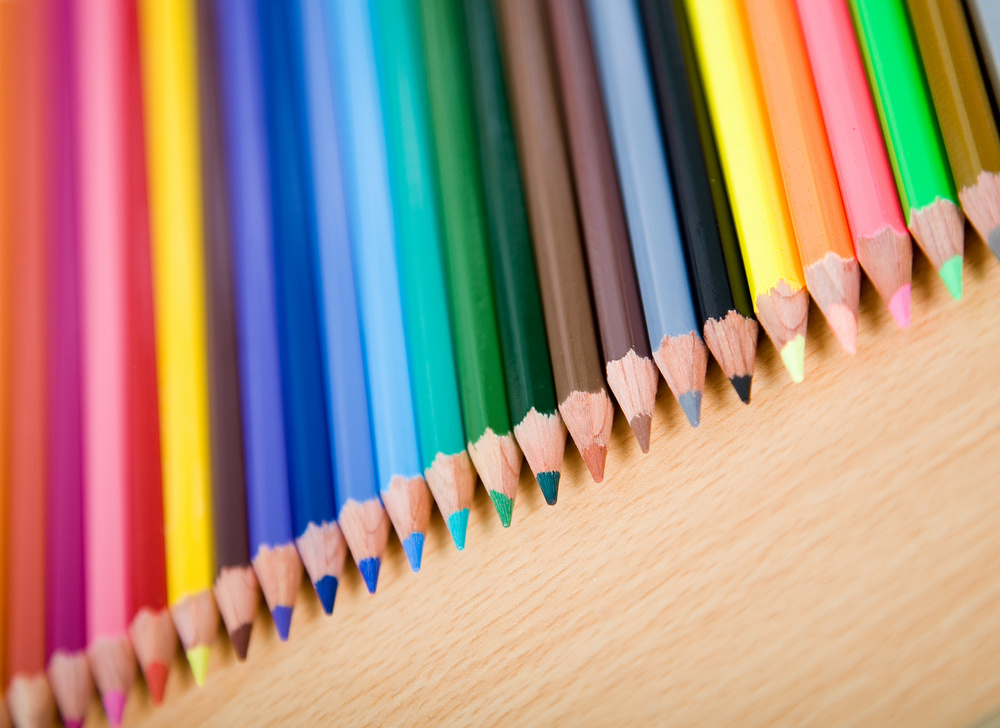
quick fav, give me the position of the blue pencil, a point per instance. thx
(372, 237)
(649, 204)
(269, 517)
(314, 512)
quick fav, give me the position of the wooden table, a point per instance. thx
(829, 555)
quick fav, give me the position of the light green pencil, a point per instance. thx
(447, 467)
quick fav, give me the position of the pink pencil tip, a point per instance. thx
(844, 323)
(899, 306)
(114, 706)
(72, 723)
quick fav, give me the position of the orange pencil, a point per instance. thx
(26, 162)
(824, 238)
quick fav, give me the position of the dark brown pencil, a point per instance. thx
(583, 400)
(632, 374)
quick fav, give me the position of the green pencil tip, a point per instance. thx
(794, 356)
(198, 659)
(458, 522)
(951, 274)
(504, 506)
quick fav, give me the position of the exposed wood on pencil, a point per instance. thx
(543, 440)
(154, 641)
(733, 342)
(498, 460)
(196, 620)
(408, 503)
(980, 202)
(682, 360)
(236, 596)
(939, 228)
(452, 480)
(834, 284)
(366, 531)
(633, 380)
(71, 684)
(887, 259)
(29, 700)
(279, 572)
(113, 665)
(783, 313)
(323, 550)
(588, 417)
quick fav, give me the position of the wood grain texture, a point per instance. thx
(826, 556)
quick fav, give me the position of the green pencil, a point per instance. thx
(530, 387)
(477, 341)
(403, 87)
(913, 138)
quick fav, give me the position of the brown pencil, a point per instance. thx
(631, 372)
(583, 399)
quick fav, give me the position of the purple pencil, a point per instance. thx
(65, 614)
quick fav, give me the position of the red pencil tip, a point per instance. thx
(156, 680)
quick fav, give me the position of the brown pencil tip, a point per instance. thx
(240, 637)
(596, 456)
(641, 426)
(633, 380)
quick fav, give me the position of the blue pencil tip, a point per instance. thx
(282, 617)
(549, 483)
(369, 572)
(458, 522)
(326, 590)
(691, 404)
(413, 545)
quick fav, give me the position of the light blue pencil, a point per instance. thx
(369, 213)
(649, 204)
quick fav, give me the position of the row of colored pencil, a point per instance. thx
(277, 276)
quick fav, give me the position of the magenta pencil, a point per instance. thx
(102, 153)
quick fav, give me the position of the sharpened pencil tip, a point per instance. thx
(844, 323)
(504, 507)
(198, 660)
(994, 240)
(240, 637)
(742, 386)
(794, 356)
(458, 524)
(595, 455)
(691, 404)
(951, 274)
(369, 572)
(413, 545)
(156, 678)
(326, 590)
(899, 306)
(282, 617)
(114, 706)
(641, 425)
(549, 483)
(70, 723)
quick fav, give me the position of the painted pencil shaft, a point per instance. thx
(753, 176)
(631, 373)
(9, 31)
(881, 240)
(912, 135)
(491, 443)
(824, 240)
(963, 109)
(531, 392)
(307, 439)
(447, 468)
(985, 16)
(169, 63)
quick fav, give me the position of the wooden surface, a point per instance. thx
(829, 555)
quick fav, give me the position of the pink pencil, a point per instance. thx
(881, 239)
(101, 144)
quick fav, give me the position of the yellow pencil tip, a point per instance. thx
(794, 356)
(198, 659)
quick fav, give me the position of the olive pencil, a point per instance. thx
(985, 16)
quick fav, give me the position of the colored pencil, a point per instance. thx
(272, 540)
(101, 143)
(373, 254)
(28, 90)
(531, 394)
(154, 639)
(910, 128)
(729, 329)
(881, 240)
(831, 268)
(9, 28)
(661, 264)
(491, 443)
(985, 17)
(169, 64)
(753, 176)
(963, 110)
(628, 362)
(310, 473)
(65, 605)
(440, 432)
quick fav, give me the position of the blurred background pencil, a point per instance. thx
(531, 393)
(985, 16)
(753, 176)
(628, 362)
(364, 162)
(963, 110)
(881, 240)
(490, 440)
(731, 335)
(678, 349)
(911, 131)
(169, 63)
(584, 403)
(440, 432)
(8, 180)
(831, 268)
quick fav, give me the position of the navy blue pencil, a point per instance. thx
(310, 473)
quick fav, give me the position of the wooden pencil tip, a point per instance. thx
(237, 595)
(154, 641)
(366, 530)
(835, 285)
(783, 311)
(939, 229)
(633, 380)
(887, 258)
(408, 503)
(642, 425)
(112, 663)
(197, 620)
(452, 480)
(279, 573)
(981, 203)
(29, 700)
(542, 438)
(733, 342)
(498, 460)
(682, 361)
(71, 684)
(589, 417)
(323, 551)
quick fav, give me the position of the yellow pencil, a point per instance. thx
(753, 175)
(169, 71)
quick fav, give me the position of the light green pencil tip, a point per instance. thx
(951, 274)
(794, 356)
(504, 506)
(198, 659)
